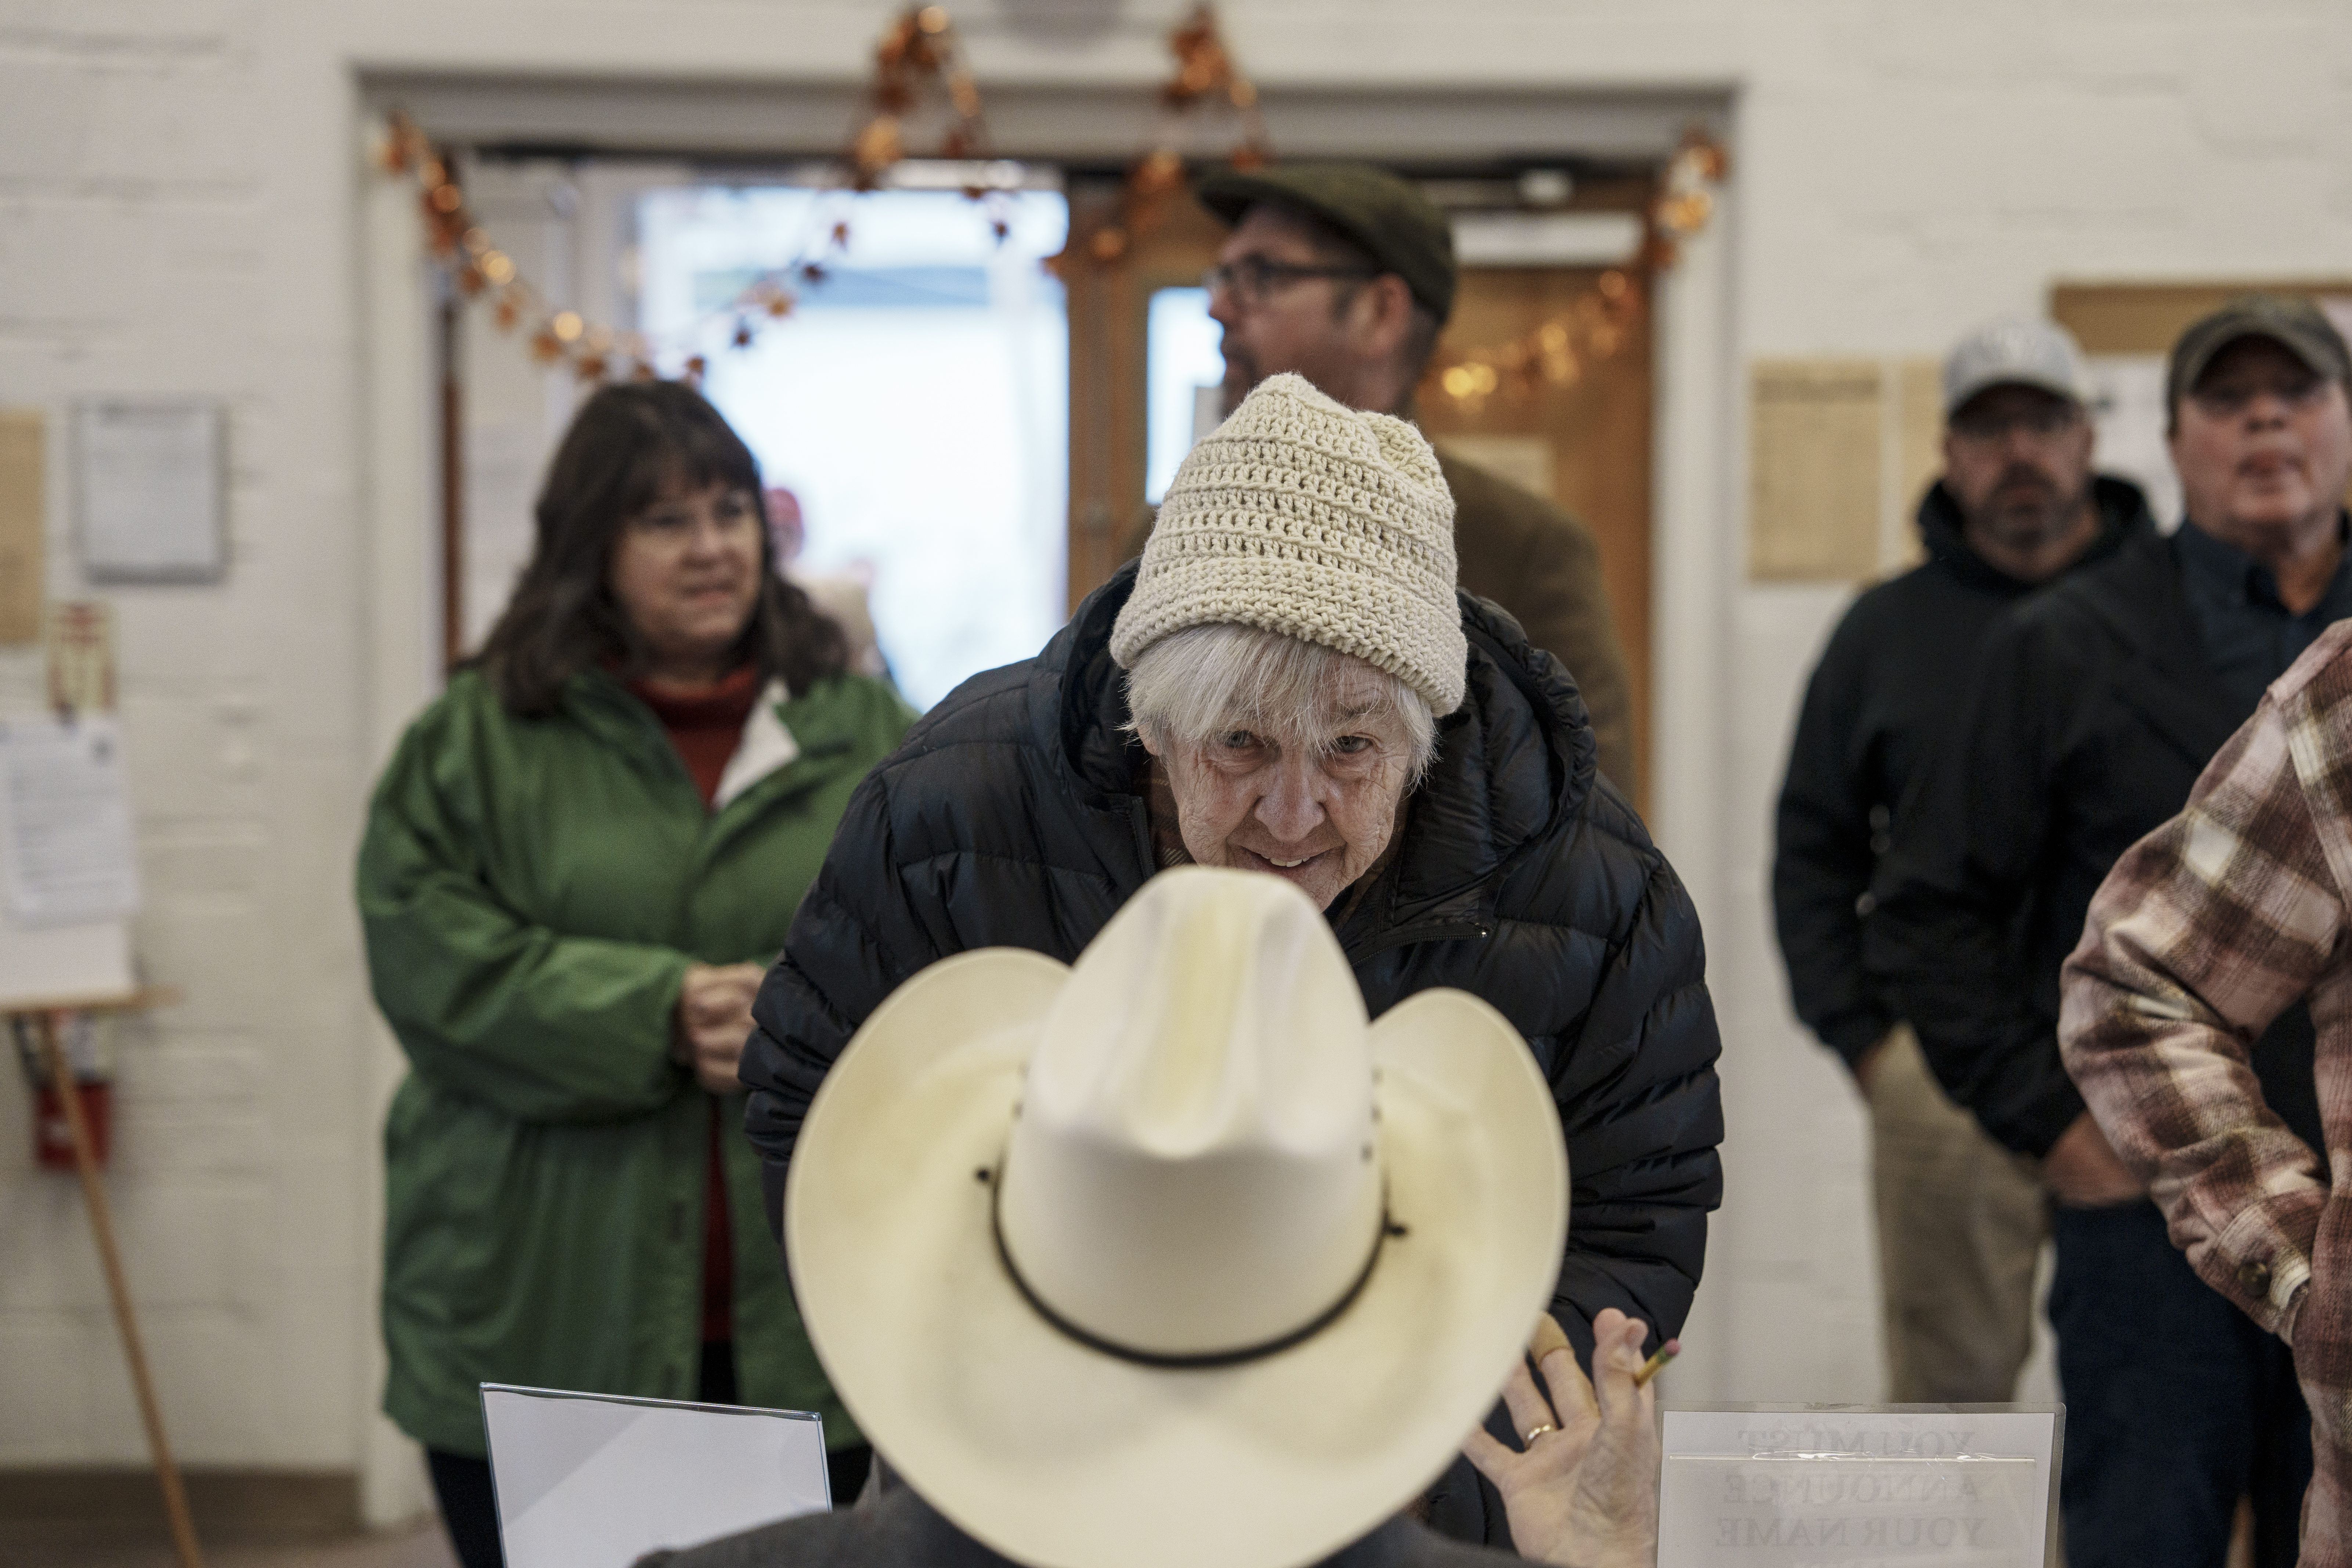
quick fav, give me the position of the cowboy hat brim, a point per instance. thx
(1060, 1456)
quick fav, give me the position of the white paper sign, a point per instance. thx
(1828, 1486)
(148, 479)
(2129, 412)
(588, 1481)
(67, 820)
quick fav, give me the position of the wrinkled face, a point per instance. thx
(1316, 810)
(2261, 442)
(2018, 461)
(685, 571)
(1291, 323)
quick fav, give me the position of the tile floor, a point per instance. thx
(23, 1545)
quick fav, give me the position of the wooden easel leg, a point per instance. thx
(101, 1228)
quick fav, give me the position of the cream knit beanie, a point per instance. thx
(1311, 519)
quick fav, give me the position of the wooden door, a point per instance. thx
(1109, 306)
(1584, 444)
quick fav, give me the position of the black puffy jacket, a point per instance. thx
(1011, 817)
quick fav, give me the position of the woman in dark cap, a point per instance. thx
(576, 868)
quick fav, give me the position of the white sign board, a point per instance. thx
(2127, 411)
(1828, 1485)
(584, 1480)
(151, 491)
(67, 816)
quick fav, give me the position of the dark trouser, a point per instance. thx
(470, 1508)
(2176, 1404)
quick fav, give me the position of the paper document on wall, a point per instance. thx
(1781, 1488)
(66, 815)
(2131, 412)
(1815, 457)
(591, 1481)
(148, 479)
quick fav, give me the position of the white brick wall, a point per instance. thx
(178, 212)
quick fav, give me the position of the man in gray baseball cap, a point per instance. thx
(2091, 711)
(1345, 274)
(1960, 1218)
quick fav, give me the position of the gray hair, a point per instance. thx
(1205, 680)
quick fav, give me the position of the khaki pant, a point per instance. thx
(1960, 1224)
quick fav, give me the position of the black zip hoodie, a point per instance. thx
(1895, 671)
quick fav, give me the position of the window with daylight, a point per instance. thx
(915, 403)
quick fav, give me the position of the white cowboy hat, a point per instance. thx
(1169, 1259)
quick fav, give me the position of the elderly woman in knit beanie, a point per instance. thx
(1288, 682)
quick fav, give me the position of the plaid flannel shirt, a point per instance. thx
(2206, 931)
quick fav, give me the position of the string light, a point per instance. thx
(921, 74)
(1601, 320)
(1206, 82)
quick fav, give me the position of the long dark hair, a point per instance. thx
(625, 445)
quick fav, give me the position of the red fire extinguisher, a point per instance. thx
(87, 1040)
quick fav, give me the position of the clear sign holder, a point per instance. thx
(1776, 1486)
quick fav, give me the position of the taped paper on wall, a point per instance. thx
(66, 815)
(149, 480)
(22, 524)
(1814, 465)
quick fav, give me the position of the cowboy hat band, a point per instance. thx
(1177, 1361)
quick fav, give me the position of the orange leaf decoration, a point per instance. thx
(1159, 173)
(879, 146)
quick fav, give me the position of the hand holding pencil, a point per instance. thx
(1583, 1489)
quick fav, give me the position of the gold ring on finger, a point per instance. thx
(1534, 1431)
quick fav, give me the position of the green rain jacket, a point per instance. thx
(531, 891)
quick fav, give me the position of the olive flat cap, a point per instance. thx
(1405, 231)
(2296, 324)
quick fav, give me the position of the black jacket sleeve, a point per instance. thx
(1643, 1114)
(1973, 845)
(860, 932)
(1823, 860)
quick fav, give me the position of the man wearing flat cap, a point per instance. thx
(1345, 274)
(2092, 710)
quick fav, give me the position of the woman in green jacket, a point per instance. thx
(575, 869)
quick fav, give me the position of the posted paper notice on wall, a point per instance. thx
(1785, 1489)
(67, 814)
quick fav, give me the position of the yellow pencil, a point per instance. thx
(1656, 1364)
